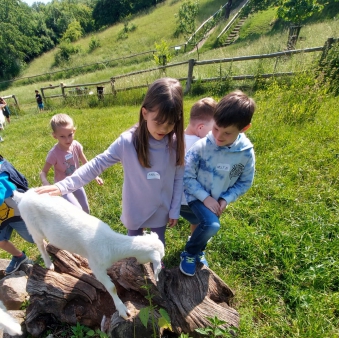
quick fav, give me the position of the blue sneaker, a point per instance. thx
(15, 263)
(201, 258)
(187, 264)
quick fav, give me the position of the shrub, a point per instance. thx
(73, 32)
(66, 50)
(94, 44)
(163, 54)
(329, 68)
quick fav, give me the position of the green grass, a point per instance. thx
(278, 245)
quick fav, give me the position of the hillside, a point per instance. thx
(259, 35)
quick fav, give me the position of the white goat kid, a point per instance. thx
(69, 228)
(7, 323)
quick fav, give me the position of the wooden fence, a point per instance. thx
(84, 89)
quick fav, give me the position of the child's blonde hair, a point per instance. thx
(203, 110)
(61, 120)
(166, 97)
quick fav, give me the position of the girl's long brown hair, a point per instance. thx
(165, 96)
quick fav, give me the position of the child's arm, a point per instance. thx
(243, 183)
(83, 160)
(177, 195)
(44, 172)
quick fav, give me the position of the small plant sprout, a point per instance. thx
(144, 314)
(215, 330)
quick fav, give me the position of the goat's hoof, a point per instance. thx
(51, 267)
(124, 314)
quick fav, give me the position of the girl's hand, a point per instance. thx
(213, 205)
(52, 190)
(99, 180)
(172, 222)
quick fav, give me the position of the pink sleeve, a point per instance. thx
(51, 157)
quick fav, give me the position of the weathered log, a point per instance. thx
(71, 294)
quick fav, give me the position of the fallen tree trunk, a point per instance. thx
(71, 294)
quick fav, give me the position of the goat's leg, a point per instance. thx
(101, 275)
(41, 244)
(156, 261)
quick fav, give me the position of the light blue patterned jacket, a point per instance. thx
(221, 172)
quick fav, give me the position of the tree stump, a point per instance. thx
(71, 294)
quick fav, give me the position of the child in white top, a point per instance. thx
(65, 158)
(200, 124)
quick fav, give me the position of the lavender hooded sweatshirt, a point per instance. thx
(150, 196)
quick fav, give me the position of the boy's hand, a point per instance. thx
(172, 222)
(213, 205)
(99, 180)
(223, 204)
(52, 190)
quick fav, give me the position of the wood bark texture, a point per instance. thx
(71, 294)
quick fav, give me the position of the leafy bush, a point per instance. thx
(128, 27)
(163, 54)
(329, 68)
(73, 33)
(66, 50)
(94, 43)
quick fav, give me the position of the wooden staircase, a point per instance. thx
(235, 32)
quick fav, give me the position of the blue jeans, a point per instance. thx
(209, 225)
(21, 229)
(188, 214)
(160, 231)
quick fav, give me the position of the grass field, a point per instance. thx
(278, 245)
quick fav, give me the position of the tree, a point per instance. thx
(73, 32)
(296, 11)
(186, 18)
(163, 54)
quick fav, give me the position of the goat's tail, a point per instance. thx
(17, 196)
(8, 323)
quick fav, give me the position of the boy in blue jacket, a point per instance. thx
(218, 169)
(10, 180)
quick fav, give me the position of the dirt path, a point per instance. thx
(232, 13)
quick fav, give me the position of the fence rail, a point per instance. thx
(83, 89)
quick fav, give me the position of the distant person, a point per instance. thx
(38, 98)
(10, 180)
(65, 157)
(152, 156)
(5, 109)
(218, 169)
(200, 123)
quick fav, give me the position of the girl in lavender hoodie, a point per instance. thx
(152, 155)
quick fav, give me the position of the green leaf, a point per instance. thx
(144, 316)
(165, 314)
(163, 323)
(90, 333)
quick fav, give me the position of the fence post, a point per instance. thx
(112, 85)
(189, 75)
(16, 101)
(62, 85)
(327, 46)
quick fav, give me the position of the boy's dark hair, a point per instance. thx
(234, 109)
(203, 110)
